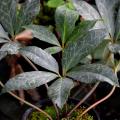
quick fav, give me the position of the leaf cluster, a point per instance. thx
(75, 42)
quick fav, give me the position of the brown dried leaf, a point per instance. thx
(24, 36)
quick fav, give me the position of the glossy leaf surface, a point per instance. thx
(65, 19)
(28, 80)
(60, 90)
(91, 72)
(43, 34)
(40, 57)
(76, 51)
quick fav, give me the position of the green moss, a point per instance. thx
(39, 116)
(76, 115)
(50, 110)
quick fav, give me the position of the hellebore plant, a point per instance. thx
(109, 12)
(75, 42)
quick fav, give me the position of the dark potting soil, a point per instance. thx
(10, 108)
(110, 109)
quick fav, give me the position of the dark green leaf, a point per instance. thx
(3, 35)
(107, 10)
(86, 60)
(3, 40)
(28, 10)
(2, 55)
(115, 48)
(76, 51)
(100, 51)
(91, 72)
(65, 21)
(8, 15)
(28, 80)
(43, 33)
(88, 12)
(117, 30)
(40, 57)
(81, 30)
(60, 90)
(11, 48)
(53, 50)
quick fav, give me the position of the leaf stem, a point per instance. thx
(29, 104)
(100, 101)
(35, 68)
(84, 99)
(106, 97)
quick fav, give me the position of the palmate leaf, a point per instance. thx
(43, 34)
(40, 57)
(107, 12)
(8, 14)
(88, 12)
(53, 50)
(29, 9)
(91, 72)
(11, 47)
(81, 30)
(65, 19)
(60, 90)
(28, 80)
(76, 51)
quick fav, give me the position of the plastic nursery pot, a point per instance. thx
(47, 102)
